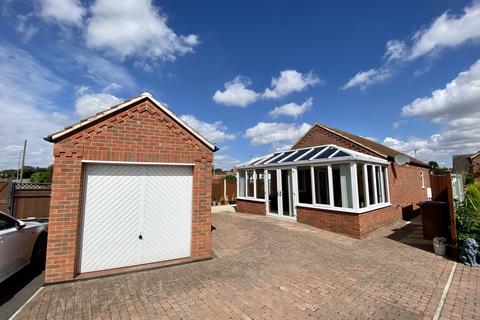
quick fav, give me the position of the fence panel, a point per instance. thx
(5, 188)
(218, 189)
(442, 191)
(31, 200)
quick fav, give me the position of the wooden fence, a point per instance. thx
(222, 188)
(442, 191)
(24, 200)
(5, 189)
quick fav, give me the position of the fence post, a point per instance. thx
(225, 189)
(11, 199)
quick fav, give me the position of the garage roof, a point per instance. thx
(123, 105)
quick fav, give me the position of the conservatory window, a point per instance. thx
(304, 180)
(241, 183)
(322, 194)
(250, 187)
(260, 184)
(371, 185)
(342, 186)
(379, 184)
(385, 184)
(362, 194)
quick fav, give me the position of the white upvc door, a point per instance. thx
(281, 196)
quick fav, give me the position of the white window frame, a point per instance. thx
(247, 197)
(354, 188)
(422, 179)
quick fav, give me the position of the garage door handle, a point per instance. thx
(140, 237)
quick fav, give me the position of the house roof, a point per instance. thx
(124, 105)
(475, 155)
(373, 146)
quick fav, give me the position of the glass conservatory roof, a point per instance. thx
(311, 155)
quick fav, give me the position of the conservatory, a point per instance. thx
(326, 178)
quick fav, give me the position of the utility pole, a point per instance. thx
(18, 165)
(23, 159)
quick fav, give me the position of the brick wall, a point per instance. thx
(406, 188)
(141, 133)
(335, 221)
(318, 136)
(252, 207)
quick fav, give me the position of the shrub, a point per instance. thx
(472, 196)
(468, 214)
(468, 223)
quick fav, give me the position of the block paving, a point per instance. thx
(266, 268)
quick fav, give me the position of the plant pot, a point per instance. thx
(440, 246)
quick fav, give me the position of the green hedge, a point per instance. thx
(468, 214)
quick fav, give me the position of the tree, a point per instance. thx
(433, 164)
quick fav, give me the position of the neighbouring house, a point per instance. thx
(467, 164)
(475, 159)
(131, 187)
(462, 163)
(334, 180)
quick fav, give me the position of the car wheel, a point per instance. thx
(39, 253)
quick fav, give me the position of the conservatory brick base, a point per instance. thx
(252, 207)
(351, 224)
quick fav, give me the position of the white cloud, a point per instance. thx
(214, 132)
(395, 50)
(224, 161)
(460, 98)
(135, 28)
(364, 79)
(99, 69)
(290, 81)
(27, 90)
(292, 109)
(448, 30)
(25, 28)
(88, 103)
(398, 123)
(276, 132)
(66, 12)
(456, 108)
(236, 93)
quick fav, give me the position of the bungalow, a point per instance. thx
(334, 180)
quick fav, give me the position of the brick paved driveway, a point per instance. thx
(268, 269)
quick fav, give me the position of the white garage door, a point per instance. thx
(135, 215)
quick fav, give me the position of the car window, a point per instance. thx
(6, 223)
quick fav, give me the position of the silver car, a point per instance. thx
(21, 243)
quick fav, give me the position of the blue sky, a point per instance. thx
(252, 76)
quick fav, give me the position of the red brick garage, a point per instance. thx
(121, 176)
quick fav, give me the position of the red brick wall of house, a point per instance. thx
(335, 221)
(476, 168)
(252, 207)
(141, 133)
(405, 191)
(318, 136)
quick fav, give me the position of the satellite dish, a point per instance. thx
(401, 159)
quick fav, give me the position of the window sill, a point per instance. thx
(251, 199)
(348, 210)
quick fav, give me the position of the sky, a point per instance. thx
(251, 76)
